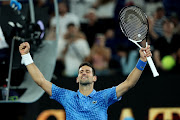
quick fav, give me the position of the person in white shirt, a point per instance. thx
(64, 18)
(3, 43)
(77, 49)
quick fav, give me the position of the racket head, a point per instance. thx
(133, 23)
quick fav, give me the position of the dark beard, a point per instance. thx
(85, 84)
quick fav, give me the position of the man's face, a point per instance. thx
(85, 76)
(168, 26)
(72, 29)
(62, 8)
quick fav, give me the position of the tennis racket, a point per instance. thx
(134, 24)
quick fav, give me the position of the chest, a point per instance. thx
(86, 109)
(86, 104)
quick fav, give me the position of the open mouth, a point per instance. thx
(83, 77)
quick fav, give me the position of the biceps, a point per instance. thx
(46, 86)
(122, 88)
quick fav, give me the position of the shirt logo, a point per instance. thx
(94, 102)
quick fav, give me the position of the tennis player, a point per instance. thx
(86, 103)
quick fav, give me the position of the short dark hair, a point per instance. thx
(159, 9)
(88, 64)
(70, 25)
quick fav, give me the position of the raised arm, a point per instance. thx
(35, 73)
(134, 76)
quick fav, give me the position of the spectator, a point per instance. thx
(155, 23)
(64, 19)
(174, 18)
(76, 50)
(105, 8)
(110, 41)
(105, 13)
(80, 8)
(167, 44)
(151, 6)
(100, 56)
(92, 27)
(128, 59)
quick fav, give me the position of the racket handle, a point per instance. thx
(152, 66)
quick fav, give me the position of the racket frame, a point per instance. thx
(149, 59)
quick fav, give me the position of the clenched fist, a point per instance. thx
(147, 53)
(24, 48)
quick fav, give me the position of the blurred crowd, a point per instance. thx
(89, 31)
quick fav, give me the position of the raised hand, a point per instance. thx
(143, 56)
(24, 48)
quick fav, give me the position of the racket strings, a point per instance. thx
(134, 23)
(133, 30)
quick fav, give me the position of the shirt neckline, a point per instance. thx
(90, 95)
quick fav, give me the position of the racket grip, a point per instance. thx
(152, 66)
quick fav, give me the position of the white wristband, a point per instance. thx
(27, 59)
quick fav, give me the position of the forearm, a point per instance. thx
(131, 80)
(35, 73)
(133, 77)
(157, 58)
